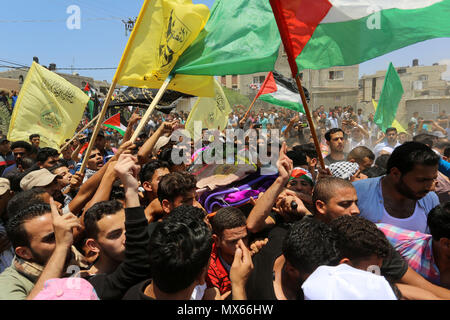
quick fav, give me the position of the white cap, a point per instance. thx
(344, 282)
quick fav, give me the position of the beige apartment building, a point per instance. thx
(424, 91)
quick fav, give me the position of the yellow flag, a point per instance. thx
(212, 112)
(48, 105)
(395, 124)
(163, 31)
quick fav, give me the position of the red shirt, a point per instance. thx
(217, 274)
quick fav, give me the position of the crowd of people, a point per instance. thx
(373, 223)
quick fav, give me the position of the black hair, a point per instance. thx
(382, 161)
(439, 221)
(58, 165)
(447, 152)
(298, 158)
(373, 172)
(22, 200)
(186, 213)
(308, 148)
(309, 244)
(148, 170)
(359, 239)
(45, 153)
(409, 154)
(391, 129)
(333, 131)
(174, 184)
(14, 227)
(34, 135)
(96, 213)
(227, 218)
(359, 153)
(21, 144)
(179, 252)
(117, 191)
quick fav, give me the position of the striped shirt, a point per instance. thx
(416, 248)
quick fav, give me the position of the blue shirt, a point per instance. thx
(371, 203)
(444, 167)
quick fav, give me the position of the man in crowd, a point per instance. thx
(20, 150)
(35, 139)
(6, 156)
(336, 143)
(389, 145)
(405, 196)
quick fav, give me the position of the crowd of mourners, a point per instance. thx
(373, 223)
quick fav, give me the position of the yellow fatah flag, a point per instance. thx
(163, 31)
(395, 124)
(212, 112)
(48, 105)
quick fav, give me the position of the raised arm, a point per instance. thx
(135, 117)
(146, 149)
(257, 219)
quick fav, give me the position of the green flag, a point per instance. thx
(240, 37)
(389, 99)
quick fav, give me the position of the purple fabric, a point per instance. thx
(241, 195)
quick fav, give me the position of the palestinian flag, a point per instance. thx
(114, 123)
(324, 33)
(280, 91)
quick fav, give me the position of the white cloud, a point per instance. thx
(446, 74)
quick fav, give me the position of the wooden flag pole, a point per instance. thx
(310, 122)
(251, 105)
(80, 132)
(98, 125)
(149, 111)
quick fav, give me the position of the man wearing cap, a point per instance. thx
(6, 156)
(6, 251)
(41, 178)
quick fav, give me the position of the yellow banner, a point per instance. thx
(48, 105)
(212, 112)
(163, 31)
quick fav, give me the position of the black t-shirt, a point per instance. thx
(260, 283)
(137, 292)
(395, 267)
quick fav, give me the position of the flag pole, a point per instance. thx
(113, 85)
(149, 111)
(251, 105)
(288, 46)
(310, 122)
(80, 132)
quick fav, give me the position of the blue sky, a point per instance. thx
(100, 42)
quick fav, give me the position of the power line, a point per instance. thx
(58, 20)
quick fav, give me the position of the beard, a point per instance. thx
(407, 192)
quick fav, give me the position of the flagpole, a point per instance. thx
(149, 111)
(251, 105)
(80, 132)
(113, 85)
(310, 122)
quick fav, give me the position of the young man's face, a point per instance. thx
(111, 236)
(41, 238)
(336, 142)
(189, 199)
(50, 162)
(343, 203)
(300, 185)
(391, 136)
(5, 147)
(65, 175)
(19, 154)
(365, 163)
(36, 141)
(227, 241)
(418, 182)
(95, 161)
(157, 175)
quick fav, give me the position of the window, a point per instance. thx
(234, 79)
(259, 79)
(224, 80)
(423, 77)
(20, 79)
(337, 75)
(401, 70)
(337, 98)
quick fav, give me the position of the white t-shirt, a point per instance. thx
(416, 222)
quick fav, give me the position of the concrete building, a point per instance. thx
(424, 91)
(337, 86)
